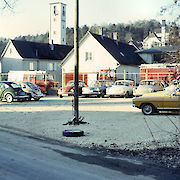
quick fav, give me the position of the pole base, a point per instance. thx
(74, 122)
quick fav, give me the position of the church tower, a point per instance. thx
(57, 32)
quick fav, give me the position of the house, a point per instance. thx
(29, 56)
(156, 54)
(101, 57)
(157, 39)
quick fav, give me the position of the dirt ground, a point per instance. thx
(109, 121)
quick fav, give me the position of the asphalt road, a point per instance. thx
(28, 158)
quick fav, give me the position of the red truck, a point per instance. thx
(40, 78)
(163, 72)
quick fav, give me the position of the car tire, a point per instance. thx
(103, 94)
(36, 99)
(127, 94)
(9, 98)
(61, 96)
(29, 97)
(73, 133)
(148, 109)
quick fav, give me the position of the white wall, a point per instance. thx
(101, 59)
(11, 59)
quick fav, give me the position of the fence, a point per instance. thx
(89, 78)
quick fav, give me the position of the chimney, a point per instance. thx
(52, 46)
(163, 33)
(115, 36)
(100, 31)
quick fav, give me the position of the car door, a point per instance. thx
(173, 100)
(1, 90)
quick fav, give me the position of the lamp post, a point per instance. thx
(76, 65)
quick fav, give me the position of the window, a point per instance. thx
(54, 32)
(88, 56)
(63, 11)
(31, 66)
(55, 11)
(121, 54)
(10, 50)
(52, 66)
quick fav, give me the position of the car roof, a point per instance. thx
(155, 80)
(124, 81)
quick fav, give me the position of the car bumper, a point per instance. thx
(20, 97)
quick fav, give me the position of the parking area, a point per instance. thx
(111, 122)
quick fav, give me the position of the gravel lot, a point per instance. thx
(113, 125)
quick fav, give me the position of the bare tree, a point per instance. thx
(7, 4)
(174, 33)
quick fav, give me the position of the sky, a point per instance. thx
(32, 16)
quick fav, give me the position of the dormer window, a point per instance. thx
(121, 54)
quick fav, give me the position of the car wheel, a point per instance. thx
(127, 94)
(29, 97)
(36, 99)
(9, 98)
(148, 109)
(73, 133)
(102, 94)
(60, 96)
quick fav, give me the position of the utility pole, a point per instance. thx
(76, 65)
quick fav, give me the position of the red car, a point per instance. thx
(68, 90)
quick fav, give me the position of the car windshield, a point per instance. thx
(121, 83)
(31, 85)
(172, 91)
(103, 83)
(14, 85)
(147, 83)
(71, 83)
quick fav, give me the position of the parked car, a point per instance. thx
(68, 90)
(121, 88)
(31, 89)
(10, 91)
(153, 102)
(148, 86)
(173, 84)
(98, 89)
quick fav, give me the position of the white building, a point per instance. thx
(33, 56)
(57, 31)
(157, 39)
(98, 54)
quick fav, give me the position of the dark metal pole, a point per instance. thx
(76, 66)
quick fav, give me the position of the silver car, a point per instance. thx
(148, 86)
(31, 90)
(123, 88)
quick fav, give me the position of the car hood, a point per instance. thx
(154, 94)
(144, 87)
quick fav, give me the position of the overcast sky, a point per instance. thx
(32, 16)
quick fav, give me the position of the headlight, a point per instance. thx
(150, 90)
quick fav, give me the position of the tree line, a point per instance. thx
(136, 31)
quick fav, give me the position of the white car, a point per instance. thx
(148, 86)
(98, 90)
(122, 88)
